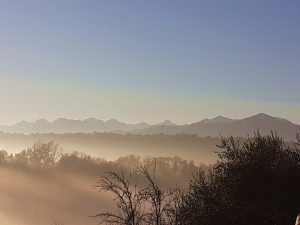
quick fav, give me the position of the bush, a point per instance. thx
(256, 181)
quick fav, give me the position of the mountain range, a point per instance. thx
(208, 127)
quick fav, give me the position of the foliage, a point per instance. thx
(39, 155)
(255, 181)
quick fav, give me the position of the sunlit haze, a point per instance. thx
(138, 112)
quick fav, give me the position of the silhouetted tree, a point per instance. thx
(129, 200)
(161, 202)
(139, 205)
(172, 212)
(255, 181)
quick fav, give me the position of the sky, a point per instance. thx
(149, 60)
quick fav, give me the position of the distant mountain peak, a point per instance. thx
(92, 120)
(41, 121)
(166, 123)
(112, 121)
(222, 118)
(227, 127)
(262, 115)
(143, 123)
(216, 120)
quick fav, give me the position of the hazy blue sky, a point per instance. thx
(149, 60)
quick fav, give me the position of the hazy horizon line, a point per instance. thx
(139, 122)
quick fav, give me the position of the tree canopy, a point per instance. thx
(255, 181)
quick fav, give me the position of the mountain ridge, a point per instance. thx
(261, 122)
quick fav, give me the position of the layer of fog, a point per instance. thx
(112, 146)
(34, 198)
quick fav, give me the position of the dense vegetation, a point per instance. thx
(48, 156)
(255, 181)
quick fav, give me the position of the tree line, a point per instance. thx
(49, 156)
